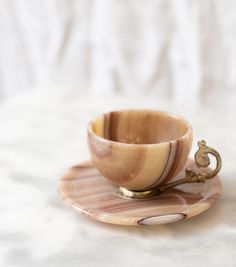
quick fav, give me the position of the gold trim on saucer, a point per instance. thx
(202, 160)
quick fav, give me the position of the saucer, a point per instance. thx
(87, 191)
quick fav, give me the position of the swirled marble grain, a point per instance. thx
(88, 192)
(128, 145)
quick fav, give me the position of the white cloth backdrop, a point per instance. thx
(180, 49)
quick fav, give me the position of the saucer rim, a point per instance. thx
(114, 219)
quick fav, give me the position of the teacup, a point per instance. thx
(139, 149)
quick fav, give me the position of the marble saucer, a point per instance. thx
(89, 193)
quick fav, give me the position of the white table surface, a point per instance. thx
(43, 133)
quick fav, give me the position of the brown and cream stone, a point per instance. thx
(86, 190)
(139, 149)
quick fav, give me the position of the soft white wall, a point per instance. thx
(180, 49)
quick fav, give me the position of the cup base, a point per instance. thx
(139, 194)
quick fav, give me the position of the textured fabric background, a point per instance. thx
(179, 49)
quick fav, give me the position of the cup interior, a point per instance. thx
(139, 126)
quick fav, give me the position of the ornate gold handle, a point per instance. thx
(201, 159)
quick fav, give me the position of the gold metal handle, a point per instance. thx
(202, 160)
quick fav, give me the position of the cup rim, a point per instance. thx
(91, 131)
